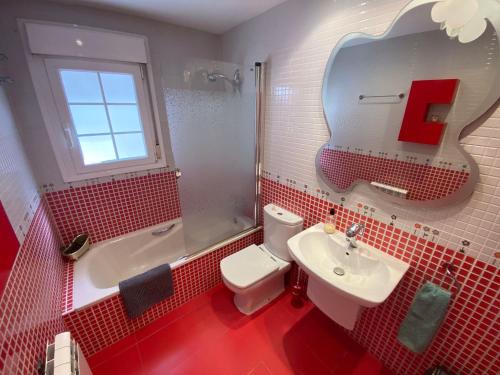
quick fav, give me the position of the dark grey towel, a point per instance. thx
(142, 291)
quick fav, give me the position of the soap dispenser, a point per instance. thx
(330, 222)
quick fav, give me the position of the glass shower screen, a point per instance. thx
(211, 115)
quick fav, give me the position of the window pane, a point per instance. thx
(89, 119)
(97, 149)
(118, 88)
(81, 86)
(125, 118)
(130, 146)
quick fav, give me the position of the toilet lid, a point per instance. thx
(248, 266)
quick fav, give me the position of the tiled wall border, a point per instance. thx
(411, 157)
(50, 187)
(30, 313)
(462, 237)
(423, 182)
(106, 322)
(109, 209)
(467, 342)
(67, 299)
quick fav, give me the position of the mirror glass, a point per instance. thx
(396, 105)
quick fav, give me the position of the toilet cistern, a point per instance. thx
(352, 232)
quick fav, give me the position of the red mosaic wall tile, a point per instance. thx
(106, 323)
(467, 342)
(110, 209)
(423, 182)
(30, 313)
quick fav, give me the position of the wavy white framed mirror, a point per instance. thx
(397, 104)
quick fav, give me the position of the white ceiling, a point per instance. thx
(214, 16)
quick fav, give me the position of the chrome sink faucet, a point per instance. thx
(352, 232)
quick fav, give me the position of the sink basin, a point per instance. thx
(343, 280)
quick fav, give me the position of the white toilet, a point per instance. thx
(256, 273)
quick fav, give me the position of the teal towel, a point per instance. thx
(426, 313)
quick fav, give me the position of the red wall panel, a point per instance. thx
(10, 247)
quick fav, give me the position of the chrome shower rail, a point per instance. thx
(218, 245)
(259, 113)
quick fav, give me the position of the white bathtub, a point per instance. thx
(98, 272)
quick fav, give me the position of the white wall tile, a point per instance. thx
(18, 191)
(296, 52)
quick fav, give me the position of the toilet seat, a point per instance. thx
(248, 266)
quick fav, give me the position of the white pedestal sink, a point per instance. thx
(343, 280)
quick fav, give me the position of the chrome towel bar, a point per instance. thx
(401, 95)
(450, 269)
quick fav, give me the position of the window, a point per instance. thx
(105, 116)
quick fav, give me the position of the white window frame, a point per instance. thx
(72, 146)
(45, 40)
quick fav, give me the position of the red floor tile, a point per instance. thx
(210, 336)
(193, 305)
(369, 365)
(127, 362)
(229, 356)
(171, 345)
(111, 351)
(261, 369)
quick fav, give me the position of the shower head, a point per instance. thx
(212, 77)
(235, 82)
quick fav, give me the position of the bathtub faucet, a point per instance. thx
(162, 231)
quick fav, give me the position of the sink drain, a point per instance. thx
(339, 271)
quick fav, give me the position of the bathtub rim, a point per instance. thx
(114, 291)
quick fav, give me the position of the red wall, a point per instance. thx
(10, 247)
(110, 209)
(30, 308)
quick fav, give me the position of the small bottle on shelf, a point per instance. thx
(330, 222)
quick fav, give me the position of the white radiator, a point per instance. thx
(64, 357)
